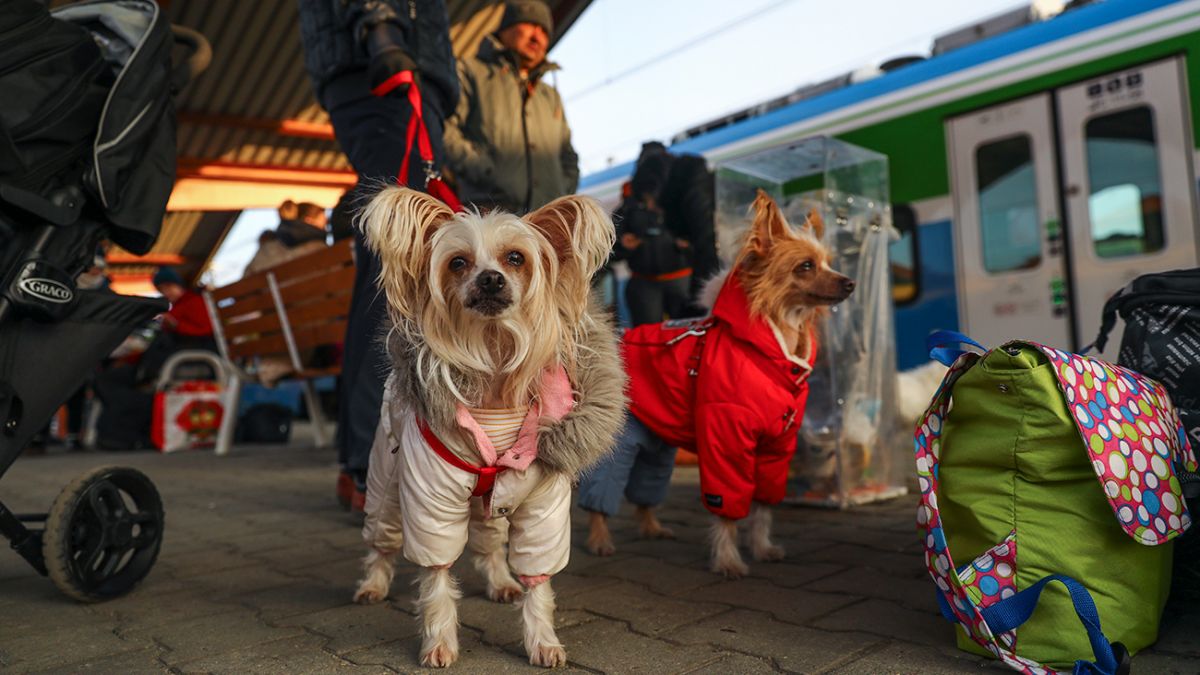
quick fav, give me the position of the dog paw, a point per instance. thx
(731, 569)
(506, 594)
(772, 553)
(440, 656)
(369, 595)
(548, 657)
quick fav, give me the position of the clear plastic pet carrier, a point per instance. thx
(849, 452)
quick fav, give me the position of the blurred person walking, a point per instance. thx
(301, 230)
(666, 234)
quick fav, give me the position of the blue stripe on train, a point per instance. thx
(1006, 44)
(936, 305)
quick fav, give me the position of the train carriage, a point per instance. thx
(1033, 172)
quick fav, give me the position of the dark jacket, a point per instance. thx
(335, 47)
(509, 145)
(688, 201)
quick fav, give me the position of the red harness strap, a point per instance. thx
(485, 476)
(417, 131)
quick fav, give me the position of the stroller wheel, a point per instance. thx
(103, 533)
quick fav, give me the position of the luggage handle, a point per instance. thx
(1112, 658)
(939, 350)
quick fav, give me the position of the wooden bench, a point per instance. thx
(282, 313)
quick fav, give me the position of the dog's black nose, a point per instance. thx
(490, 282)
(849, 285)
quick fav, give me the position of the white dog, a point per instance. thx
(505, 385)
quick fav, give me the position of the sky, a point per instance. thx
(636, 70)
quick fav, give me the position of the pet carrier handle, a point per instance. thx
(1111, 658)
(939, 350)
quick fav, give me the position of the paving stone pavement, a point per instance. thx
(258, 566)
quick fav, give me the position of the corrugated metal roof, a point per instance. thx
(257, 74)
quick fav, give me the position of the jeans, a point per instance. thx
(371, 131)
(639, 468)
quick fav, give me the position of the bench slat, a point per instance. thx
(317, 262)
(267, 323)
(252, 284)
(322, 311)
(338, 283)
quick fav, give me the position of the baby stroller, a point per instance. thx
(87, 152)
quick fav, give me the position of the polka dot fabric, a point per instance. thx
(966, 609)
(1133, 436)
(992, 577)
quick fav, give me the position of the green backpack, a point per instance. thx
(1038, 466)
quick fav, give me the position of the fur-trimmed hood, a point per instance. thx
(569, 445)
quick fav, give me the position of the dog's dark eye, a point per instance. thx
(458, 264)
(515, 258)
(806, 266)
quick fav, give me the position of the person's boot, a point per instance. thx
(345, 489)
(358, 500)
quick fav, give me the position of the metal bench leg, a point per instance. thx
(315, 414)
(233, 392)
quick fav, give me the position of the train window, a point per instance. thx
(902, 255)
(1125, 202)
(1008, 211)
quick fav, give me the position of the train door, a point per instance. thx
(1010, 274)
(1127, 181)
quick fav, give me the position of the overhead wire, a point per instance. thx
(680, 48)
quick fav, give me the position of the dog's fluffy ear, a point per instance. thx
(577, 228)
(816, 224)
(769, 226)
(398, 223)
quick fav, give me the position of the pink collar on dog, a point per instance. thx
(555, 401)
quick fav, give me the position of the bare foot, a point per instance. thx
(649, 526)
(599, 541)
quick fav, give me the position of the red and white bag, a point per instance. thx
(187, 415)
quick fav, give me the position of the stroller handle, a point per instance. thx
(198, 59)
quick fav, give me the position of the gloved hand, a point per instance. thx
(389, 58)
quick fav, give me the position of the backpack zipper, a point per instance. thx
(12, 35)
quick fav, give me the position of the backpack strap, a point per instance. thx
(1006, 615)
(939, 345)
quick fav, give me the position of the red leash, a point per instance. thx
(485, 476)
(417, 131)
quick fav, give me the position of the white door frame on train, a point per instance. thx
(1016, 289)
(1155, 94)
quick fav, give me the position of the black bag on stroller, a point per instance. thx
(1162, 340)
(87, 152)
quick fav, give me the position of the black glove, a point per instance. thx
(389, 58)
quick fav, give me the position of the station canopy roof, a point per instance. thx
(250, 131)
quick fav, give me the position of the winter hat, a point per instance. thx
(166, 275)
(527, 11)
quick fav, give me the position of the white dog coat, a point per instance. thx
(423, 498)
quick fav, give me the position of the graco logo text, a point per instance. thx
(46, 289)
